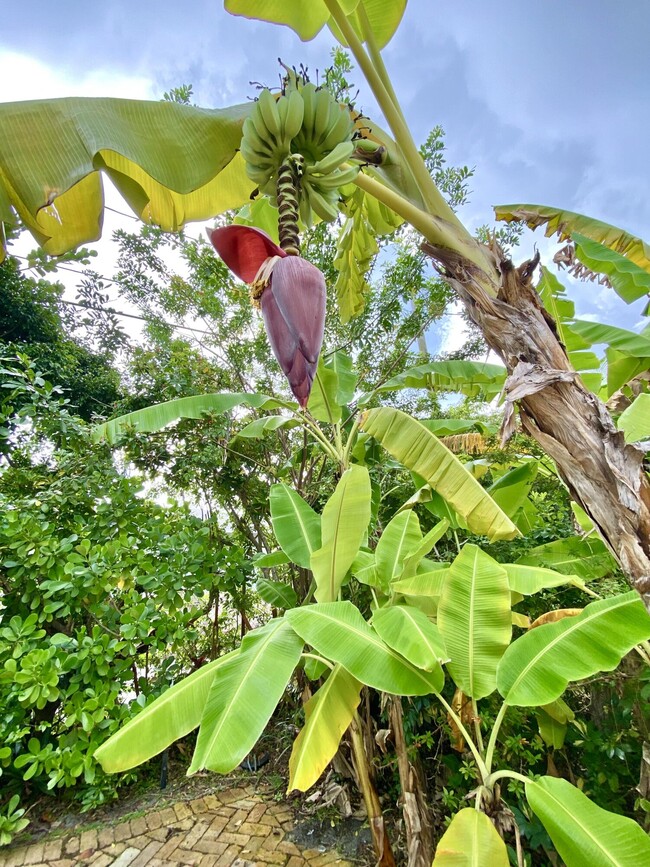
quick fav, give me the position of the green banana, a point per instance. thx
(269, 112)
(334, 180)
(339, 154)
(308, 93)
(340, 128)
(320, 203)
(295, 109)
(322, 115)
(261, 132)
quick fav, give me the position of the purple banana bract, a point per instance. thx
(292, 296)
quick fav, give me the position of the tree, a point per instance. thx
(308, 155)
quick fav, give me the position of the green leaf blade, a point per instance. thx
(343, 525)
(171, 716)
(338, 631)
(584, 833)
(471, 840)
(474, 620)
(410, 632)
(407, 440)
(241, 702)
(537, 667)
(296, 525)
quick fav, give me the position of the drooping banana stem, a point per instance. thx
(288, 191)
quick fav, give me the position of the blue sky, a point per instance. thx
(548, 101)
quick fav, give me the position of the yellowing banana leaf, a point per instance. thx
(584, 833)
(531, 579)
(156, 417)
(407, 440)
(296, 525)
(356, 247)
(626, 278)
(471, 840)
(171, 716)
(338, 632)
(635, 420)
(343, 525)
(241, 703)
(172, 163)
(410, 632)
(306, 19)
(565, 223)
(537, 667)
(471, 378)
(474, 620)
(401, 538)
(328, 713)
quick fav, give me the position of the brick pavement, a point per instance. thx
(234, 828)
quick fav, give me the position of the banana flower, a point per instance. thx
(291, 293)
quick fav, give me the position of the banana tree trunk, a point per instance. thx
(603, 473)
(417, 819)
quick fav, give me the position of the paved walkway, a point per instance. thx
(234, 828)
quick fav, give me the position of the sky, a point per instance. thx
(548, 101)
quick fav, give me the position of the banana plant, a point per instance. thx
(175, 163)
(426, 617)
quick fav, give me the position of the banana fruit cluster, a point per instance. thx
(308, 121)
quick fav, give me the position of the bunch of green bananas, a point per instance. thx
(305, 120)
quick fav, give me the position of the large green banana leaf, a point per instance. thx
(587, 558)
(636, 345)
(400, 539)
(410, 632)
(537, 667)
(153, 418)
(628, 280)
(239, 706)
(338, 631)
(582, 832)
(565, 223)
(412, 562)
(328, 713)
(172, 163)
(346, 378)
(407, 440)
(295, 524)
(276, 593)
(259, 427)
(471, 840)
(427, 581)
(471, 378)
(511, 491)
(635, 420)
(323, 404)
(308, 19)
(343, 525)
(531, 579)
(171, 716)
(474, 620)
(621, 368)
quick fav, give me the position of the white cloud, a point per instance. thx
(25, 77)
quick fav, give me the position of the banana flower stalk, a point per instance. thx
(291, 293)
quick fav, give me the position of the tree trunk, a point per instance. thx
(381, 843)
(603, 473)
(417, 820)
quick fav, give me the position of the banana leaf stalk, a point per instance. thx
(291, 293)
